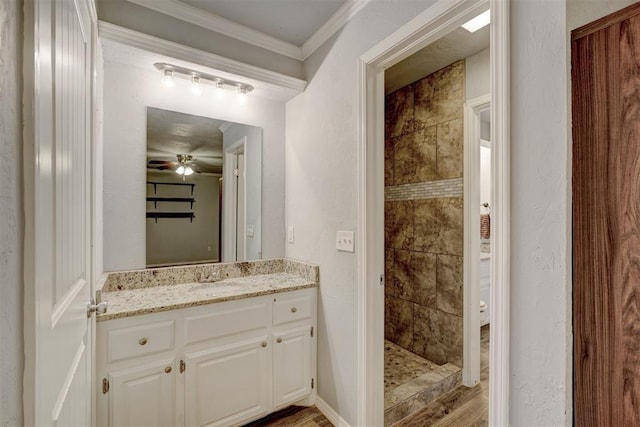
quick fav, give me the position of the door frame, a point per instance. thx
(230, 192)
(435, 22)
(471, 289)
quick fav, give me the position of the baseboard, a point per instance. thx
(330, 413)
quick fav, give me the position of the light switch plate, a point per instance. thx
(250, 231)
(345, 241)
(290, 235)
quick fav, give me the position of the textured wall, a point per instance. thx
(540, 328)
(478, 74)
(11, 222)
(424, 235)
(322, 187)
(128, 90)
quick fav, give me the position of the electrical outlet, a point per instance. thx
(345, 241)
(290, 234)
(250, 230)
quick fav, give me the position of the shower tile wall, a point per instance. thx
(424, 215)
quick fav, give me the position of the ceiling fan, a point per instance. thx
(184, 165)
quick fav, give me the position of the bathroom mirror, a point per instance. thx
(203, 189)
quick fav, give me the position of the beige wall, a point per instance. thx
(424, 222)
(179, 240)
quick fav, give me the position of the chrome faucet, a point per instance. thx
(213, 277)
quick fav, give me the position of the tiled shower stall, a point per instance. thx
(424, 240)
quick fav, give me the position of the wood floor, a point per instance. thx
(294, 416)
(463, 406)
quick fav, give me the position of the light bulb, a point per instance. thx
(196, 89)
(242, 95)
(167, 78)
(180, 170)
(220, 90)
(188, 171)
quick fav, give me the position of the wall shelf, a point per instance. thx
(182, 184)
(155, 200)
(156, 215)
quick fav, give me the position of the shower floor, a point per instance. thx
(410, 381)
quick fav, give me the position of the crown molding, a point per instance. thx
(286, 86)
(218, 24)
(329, 28)
(225, 127)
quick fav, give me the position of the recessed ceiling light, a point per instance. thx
(478, 22)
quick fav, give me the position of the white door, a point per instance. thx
(227, 385)
(58, 141)
(291, 365)
(143, 396)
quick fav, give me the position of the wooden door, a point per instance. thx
(144, 396)
(606, 220)
(227, 385)
(59, 47)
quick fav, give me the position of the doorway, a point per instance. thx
(428, 27)
(234, 202)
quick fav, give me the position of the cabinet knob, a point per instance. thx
(279, 340)
(142, 341)
(167, 369)
(264, 343)
(293, 309)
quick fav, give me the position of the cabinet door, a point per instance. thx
(227, 385)
(291, 365)
(143, 396)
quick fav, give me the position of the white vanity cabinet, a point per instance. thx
(220, 364)
(152, 387)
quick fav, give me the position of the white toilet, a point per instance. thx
(485, 287)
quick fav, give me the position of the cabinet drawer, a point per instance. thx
(227, 320)
(290, 310)
(139, 341)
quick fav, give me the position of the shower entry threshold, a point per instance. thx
(411, 382)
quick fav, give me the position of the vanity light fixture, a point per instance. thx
(167, 78)
(198, 79)
(220, 90)
(195, 85)
(478, 22)
(242, 95)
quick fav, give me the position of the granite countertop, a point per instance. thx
(145, 300)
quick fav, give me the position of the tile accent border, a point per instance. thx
(425, 190)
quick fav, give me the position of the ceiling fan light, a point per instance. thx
(180, 170)
(188, 171)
